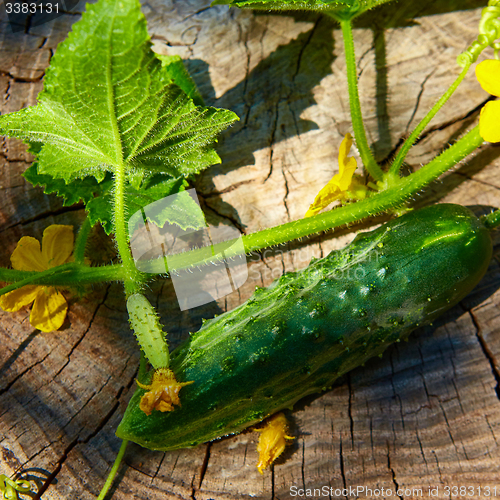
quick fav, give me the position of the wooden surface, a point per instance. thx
(425, 415)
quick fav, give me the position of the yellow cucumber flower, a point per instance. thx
(49, 306)
(488, 75)
(344, 185)
(163, 392)
(272, 440)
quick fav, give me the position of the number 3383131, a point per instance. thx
(31, 8)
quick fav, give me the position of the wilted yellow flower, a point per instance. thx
(163, 392)
(272, 440)
(49, 306)
(344, 185)
(488, 75)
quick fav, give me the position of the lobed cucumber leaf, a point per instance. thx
(178, 74)
(79, 190)
(315, 5)
(99, 203)
(182, 211)
(345, 8)
(107, 102)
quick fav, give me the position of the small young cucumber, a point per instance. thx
(310, 327)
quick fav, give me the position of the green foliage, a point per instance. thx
(97, 196)
(79, 190)
(108, 101)
(314, 5)
(100, 209)
(341, 8)
(179, 75)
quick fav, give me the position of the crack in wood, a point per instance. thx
(305, 45)
(92, 396)
(422, 450)
(303, 465)
(436, 128)
(393, 473)
(159, 467)
(233, 221)
(273, 482)
(487, 353)
(19, 350)
(53, 213)
(448, 430)
(56, 471)
(419, 97)
(19, 79)
(349, 410)
(72, 445)
(396, 395)
(198, 12)
(204, 465)
(342, 467)
(287, 189)
(271, 140)
(20, 375)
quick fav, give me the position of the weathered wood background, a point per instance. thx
(425, 415)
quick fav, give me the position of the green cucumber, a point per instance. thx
(310, 327)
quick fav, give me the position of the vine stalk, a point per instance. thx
(132, 281)
(356, 116)
(113, 471)
(394, 196)
(81, 241)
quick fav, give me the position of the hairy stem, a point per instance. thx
(385, 200)
(357, 119)
(132, 281)
(81, 241)
(396, 195)
(66, 275)
(142, 316)
(396, 165)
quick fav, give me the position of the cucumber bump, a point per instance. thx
(312, 326)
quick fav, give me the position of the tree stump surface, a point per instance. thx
(425, 415)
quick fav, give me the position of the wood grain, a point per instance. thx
(426, 415)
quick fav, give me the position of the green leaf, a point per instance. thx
(315, 5)
(136, 199)
(369, 4)
(79, 190)
(107, 101)
(337, 8)
(179, 75)
(99, 201)
(180, 210)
